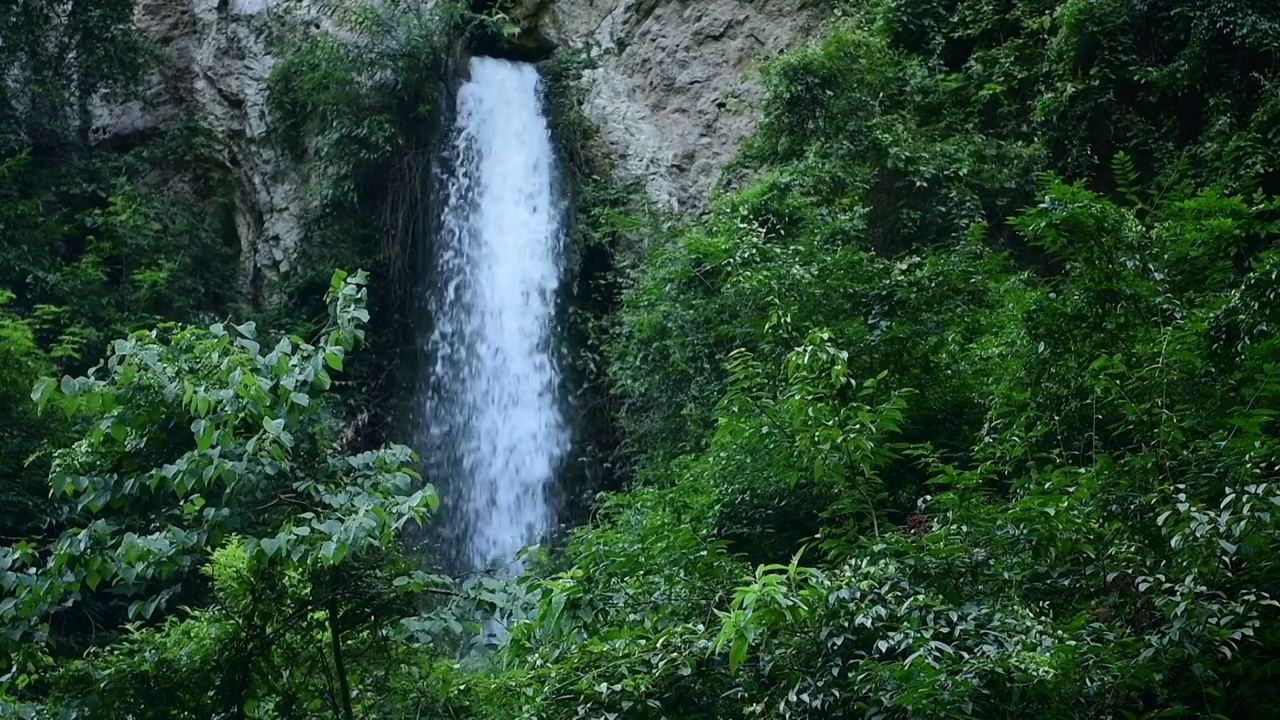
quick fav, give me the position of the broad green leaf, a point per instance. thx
(43, 390)
(270, 546)
(275, 426)
(738, 651)
(204, 432)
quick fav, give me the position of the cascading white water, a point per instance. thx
(497, 430)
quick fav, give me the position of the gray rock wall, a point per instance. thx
(232, 63)
(216, 62)
(673, 94)
(170, 26)
(675, 89)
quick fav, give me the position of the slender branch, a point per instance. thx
(339, 663)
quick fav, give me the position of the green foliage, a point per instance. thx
(1024, 426)
(21, 432)
(207, 454)
(355, 100)
(57, 57)
(359, 108)
(94, 241)
(607, 223)
(743, 283)
(574, 135)
(90, 249)
(1103, 545)
(819, 441)
(963, 406)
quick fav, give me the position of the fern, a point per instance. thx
(1126, 177)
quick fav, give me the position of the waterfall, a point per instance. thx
(497, 432)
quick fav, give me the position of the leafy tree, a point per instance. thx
(90, 247)
(21, 362)
(206, 454)
(59, 56)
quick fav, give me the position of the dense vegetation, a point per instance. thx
(963, 406)
(92, 243)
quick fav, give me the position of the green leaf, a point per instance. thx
(333, 552)
(275, 426)
(330, 527)
(203, 431)
(431, 497)
(270, 546)
(43, 390)
(738, 651)
(92, 578)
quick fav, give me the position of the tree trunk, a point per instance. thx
(339, 664)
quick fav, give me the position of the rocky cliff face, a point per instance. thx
(674, 90)
(232, 63)
(216, 62)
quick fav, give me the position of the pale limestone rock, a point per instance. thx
(232, 62)
(169, 25)
(673, 94)
(216, 64)
(675, 90)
